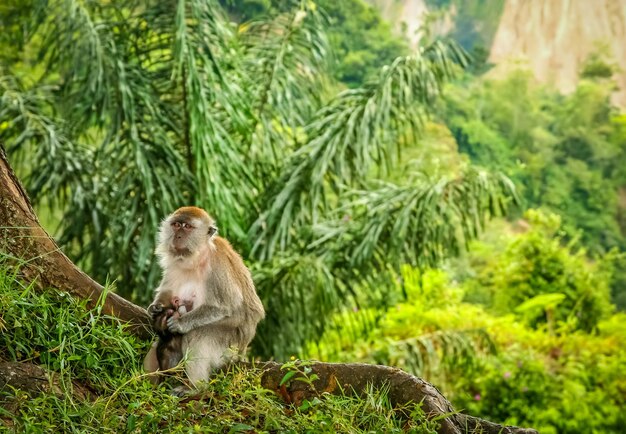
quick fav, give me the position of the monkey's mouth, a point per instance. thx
(182, 251)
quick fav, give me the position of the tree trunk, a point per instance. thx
(38, 259)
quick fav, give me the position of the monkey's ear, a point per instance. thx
(212, 230)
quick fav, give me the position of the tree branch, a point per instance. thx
(35, 380)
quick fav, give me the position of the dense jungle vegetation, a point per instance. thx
(397, 206)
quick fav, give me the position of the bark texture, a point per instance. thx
(27, 246)
(33, 380)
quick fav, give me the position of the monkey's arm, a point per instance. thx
(155, 308)
(203, 315)
(162, 299)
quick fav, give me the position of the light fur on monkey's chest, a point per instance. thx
(189, 287)
(192, 291)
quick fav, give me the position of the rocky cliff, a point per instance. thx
(556, 36)
(553, 37)
(407, 16)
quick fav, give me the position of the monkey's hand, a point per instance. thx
(174, 325)
(155, 309)
(202, 316)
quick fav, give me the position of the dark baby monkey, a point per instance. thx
(169, 347)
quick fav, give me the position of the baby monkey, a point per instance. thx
(169, 347)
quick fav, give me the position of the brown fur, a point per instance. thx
(191, 212)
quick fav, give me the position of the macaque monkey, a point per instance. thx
(202, 271)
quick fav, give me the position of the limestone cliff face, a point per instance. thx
(408, 16)
(556, 36)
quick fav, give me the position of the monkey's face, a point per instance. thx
(185, 231)
(184, 235)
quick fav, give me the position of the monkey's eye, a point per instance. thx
(184, 225)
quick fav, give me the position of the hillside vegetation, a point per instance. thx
(100, 388)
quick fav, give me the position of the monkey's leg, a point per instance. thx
(151, 363)
(205, 353)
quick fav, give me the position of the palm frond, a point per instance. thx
(78, 42)
(215, 107)
(358, 129)
(418, 223)
(286, 59)
(111, 101)
(56, 163)
(301, 291)
(426, 354)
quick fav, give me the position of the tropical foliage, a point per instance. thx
(123, 111)
(360, 40)
(521, 329)
(566, 153)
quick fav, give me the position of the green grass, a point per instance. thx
(84, 347)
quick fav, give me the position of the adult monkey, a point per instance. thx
(201, 269)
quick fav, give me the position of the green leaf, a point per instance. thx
(541, 302)
(287, 377)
